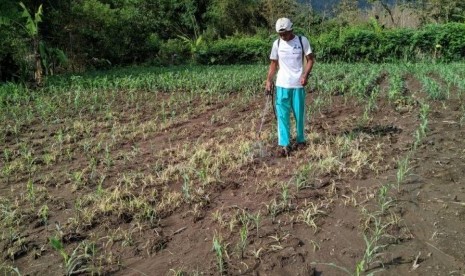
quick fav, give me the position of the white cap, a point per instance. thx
(283, 24)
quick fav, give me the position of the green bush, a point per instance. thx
(361, 45)
(396, 45)
(444, 42)
(236, 50)
(174, 51)
(327, 45)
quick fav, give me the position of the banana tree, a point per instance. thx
(32, 29)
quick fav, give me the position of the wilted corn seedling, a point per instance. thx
(186, 187)
(177, 272)
(108, 160)
(285, 194)
(402, 170)
(309, 214)
(78, 180)
(304, 174)
(43, 214)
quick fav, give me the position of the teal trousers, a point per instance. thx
(288, 99)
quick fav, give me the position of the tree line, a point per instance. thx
(44, 37)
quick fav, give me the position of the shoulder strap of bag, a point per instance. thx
(302, 47)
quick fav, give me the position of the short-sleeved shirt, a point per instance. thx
(289, 57)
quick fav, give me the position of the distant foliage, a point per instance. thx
(444, 42)
(173, 52)
(236, 50)
(100, 34)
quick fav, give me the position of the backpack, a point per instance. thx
(301, 46)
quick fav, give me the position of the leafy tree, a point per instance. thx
(118, 32)
(347, 12)
(446, 10)
(13, 46)
(227, 17)
(272, 10)
(32, 29)
(386, 7)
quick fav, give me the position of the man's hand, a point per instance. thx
(269, 78)
(304, 80)
(268, 87)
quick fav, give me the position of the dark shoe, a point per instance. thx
(298, 146)
(284, 151)
(301, 145)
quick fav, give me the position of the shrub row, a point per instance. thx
(441, 42)
(368, 44)
(233, 50)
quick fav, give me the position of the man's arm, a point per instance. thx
(271, 73)
(308, 69)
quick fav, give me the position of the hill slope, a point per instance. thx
(328, 5)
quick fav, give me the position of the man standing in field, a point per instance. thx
(288, 53)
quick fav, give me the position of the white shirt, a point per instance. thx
(289, 57)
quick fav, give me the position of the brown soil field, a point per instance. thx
(125, 194)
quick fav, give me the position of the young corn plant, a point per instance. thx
(7, 155)
(372, 244)
(9, 270)
(43, 214)
(417, 137)
(30, 160)
(100, 188)
(371, 105)
(256, 220)
(108, 160)
(57, 244)
(49, 158)
(275, 208)
(403, 170)
(79, 262)
(384, 201)
(186, 187)
(244, 232)
(366, 117)
(432, 89)
(219, 250)
(7, 171)
(424, 112)
(31, 191)
(396, 87)
(78, 180)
